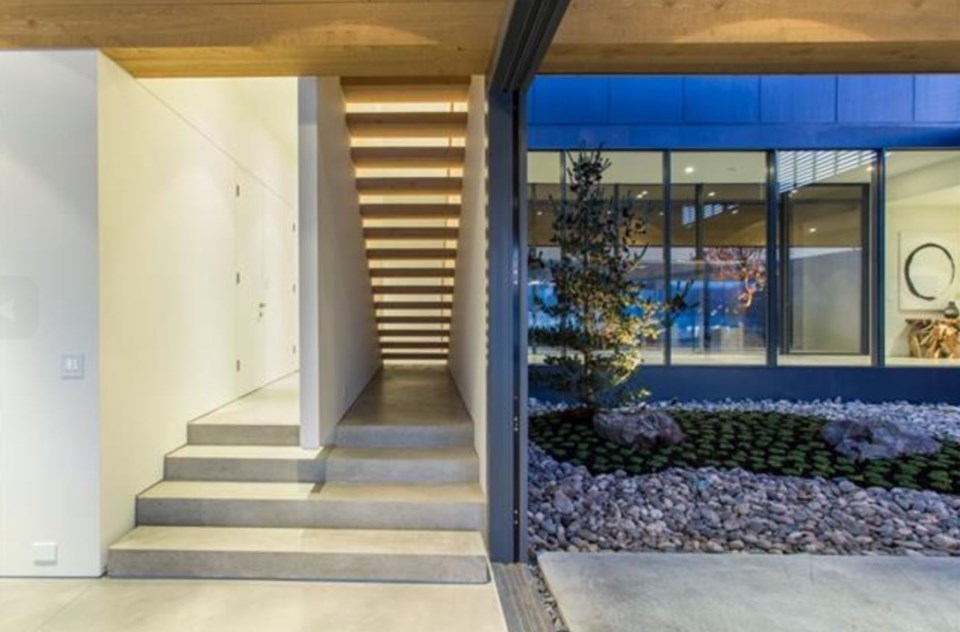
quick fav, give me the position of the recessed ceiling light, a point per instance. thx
(689, 170)
(870, 168)
(813, 229)
(712, 194)
(644, 192)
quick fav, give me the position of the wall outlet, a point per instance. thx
(45, 553)
(71, 367)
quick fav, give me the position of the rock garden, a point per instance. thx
(827, 478)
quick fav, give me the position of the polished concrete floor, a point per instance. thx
(409, 395)
(276, 403)
(754, 593)
(106, 605)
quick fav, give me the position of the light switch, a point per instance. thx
(45, 553)
(71, 367)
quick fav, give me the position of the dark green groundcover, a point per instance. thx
(761, 442)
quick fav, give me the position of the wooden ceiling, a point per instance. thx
(755, 36)
(457, 37)
(176, 38)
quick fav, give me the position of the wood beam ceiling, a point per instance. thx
(754, 36)
(265, 37)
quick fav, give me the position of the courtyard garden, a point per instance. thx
(613, 469)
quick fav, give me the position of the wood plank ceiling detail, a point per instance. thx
(754, 36)
(256, 38)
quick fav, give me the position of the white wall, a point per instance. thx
(343, 355)
(49, 441)
(468, 336)
(173, 235)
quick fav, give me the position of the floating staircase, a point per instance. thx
(409, 149)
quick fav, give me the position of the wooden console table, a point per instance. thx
(934, 337)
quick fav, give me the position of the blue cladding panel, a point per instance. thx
(572, 100)
(795, 99)
(938, 99)
(793, 383)
(724, 112)
(646, 100)
(722, 99)
(875, 99)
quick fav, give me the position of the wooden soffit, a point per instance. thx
(175, 38)
(756, 36)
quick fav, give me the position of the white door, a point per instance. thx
(266, 295)
(251, 304)
(279, 287)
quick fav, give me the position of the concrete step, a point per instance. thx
(244, 463)
(301, 554)
(233, 433)
(403, 465)
(303, 505)
(404, 435)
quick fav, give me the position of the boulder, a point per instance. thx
(868, 440)
(645, 428)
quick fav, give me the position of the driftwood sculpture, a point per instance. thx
(934, 338)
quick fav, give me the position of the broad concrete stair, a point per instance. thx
(244, 463)
(331, 505)
(304, 554)
(411, 435)
(203, 432)
(403, 465)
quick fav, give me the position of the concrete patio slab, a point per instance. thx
(608, 592)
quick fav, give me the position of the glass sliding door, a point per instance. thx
(718, 289)
(825, 202)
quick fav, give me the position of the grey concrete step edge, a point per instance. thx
(400, 470)
(269, 565)
(266, 470)
(243, 434)
(446, 436)
(460, 515)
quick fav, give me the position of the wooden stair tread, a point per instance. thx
(413, 273)
(388, 355)
(413, 289)
(408, 157)
(392, 90)
(414, 345)
(407, 124)
(425, 254)
(410, 186)
(410, 211)
(413, 320)
(407, 232)
(407, 305)
(414, 333)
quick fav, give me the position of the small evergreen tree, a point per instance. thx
(599, 318)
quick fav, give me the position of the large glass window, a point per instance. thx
(825, 200)
(634, 177)
(922, 257)
(718, 221)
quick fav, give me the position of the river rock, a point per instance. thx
(644, 428)
(868, 440)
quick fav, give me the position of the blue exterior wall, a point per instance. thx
(745, 112)
(758, 113)
(711, 383)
